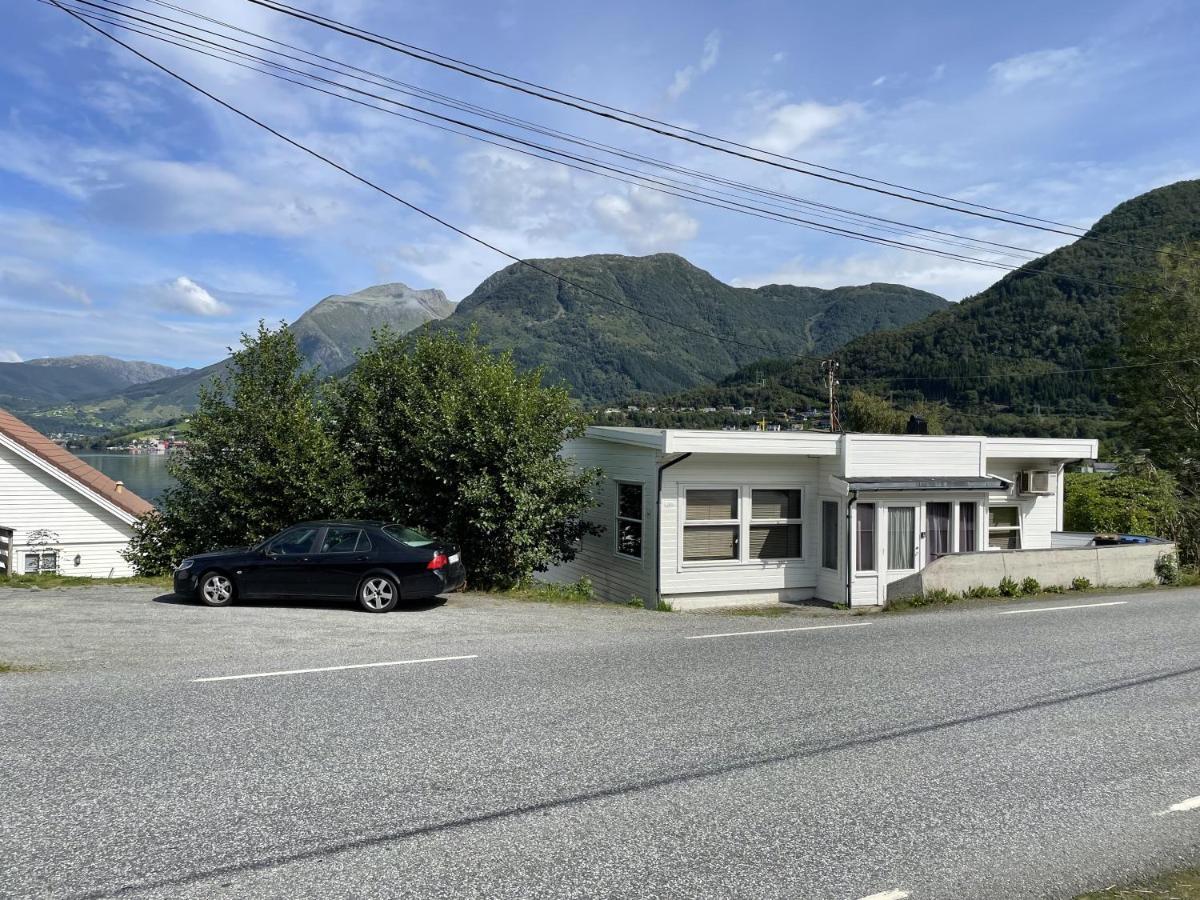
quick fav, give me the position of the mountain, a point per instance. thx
(59, 379)
(330, 332)
(1060, 312)
(327, 335)
(606, 351)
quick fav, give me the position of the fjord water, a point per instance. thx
(143, 473)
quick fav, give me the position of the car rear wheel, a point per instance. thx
(378, 594)
(216, 589)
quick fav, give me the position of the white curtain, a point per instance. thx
(902, 522)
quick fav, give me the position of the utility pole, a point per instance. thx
(830, 368)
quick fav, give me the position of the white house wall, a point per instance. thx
(31, 500)
(614, 577)
(868, 455)
(690, 584)
(1039, 513)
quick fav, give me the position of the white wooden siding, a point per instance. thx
(796, 577)
(615, 577)
(902, 456)
(31, 500)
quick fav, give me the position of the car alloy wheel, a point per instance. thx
(377, 594)
(216, 590)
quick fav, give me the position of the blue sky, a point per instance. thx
(143, 222)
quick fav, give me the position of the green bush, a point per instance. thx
(1009, 587)
(1054, 589)
(1030, 586)
(981, 591)
(1166, 569)
(636, 602)
(1079, 583)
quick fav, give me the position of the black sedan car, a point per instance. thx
(375, 563)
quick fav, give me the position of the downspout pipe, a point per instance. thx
(853, 499)
(658, 528)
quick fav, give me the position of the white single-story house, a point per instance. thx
(718, 518)
(57, 513)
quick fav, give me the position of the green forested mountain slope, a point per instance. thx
(1034, 323)
(38, 382)
(606, 352)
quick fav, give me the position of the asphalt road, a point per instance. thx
(594, 752)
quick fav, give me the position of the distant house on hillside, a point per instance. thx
(720, 518)
(57, 513)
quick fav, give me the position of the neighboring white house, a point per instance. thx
(708, 518)
(57, 513)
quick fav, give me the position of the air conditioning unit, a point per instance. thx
(1035, 481)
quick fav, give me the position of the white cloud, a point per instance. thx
(184, 295)
(779, 57)
(9, 356)
(1039, 65)
(688, 74)
(792, 125)
(878, 82)
(646, 221)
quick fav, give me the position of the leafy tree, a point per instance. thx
(1139, 499)
(871, 414)
(450, 438)
(260, 457)
(1160, 323)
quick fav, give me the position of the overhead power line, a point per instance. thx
(663, 184)
(84, 19)
(384, 191)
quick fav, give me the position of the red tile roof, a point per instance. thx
(97, 482)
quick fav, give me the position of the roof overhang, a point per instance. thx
(949, 484)
(687, 440)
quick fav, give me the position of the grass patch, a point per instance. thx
(60, 581)
(11, 668)
(541, 592)
(1183, 885)
(766, 612)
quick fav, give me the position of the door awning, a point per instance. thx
(927, 483)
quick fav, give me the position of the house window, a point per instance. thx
(46, 561)
(968, 517)
(937, 529)
(1004, 528)
(775, 524)
(865, 538)
(710, 525)
(902, 537)
(629, 520)
(829, 535)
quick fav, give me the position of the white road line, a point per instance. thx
(1017, 612)
(1183, 806)
(888, 895)
(700, 637)
(400, 662)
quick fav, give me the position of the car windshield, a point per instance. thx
(410, 537)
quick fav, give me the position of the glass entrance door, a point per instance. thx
(901, 539)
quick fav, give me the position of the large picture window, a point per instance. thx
(710, 525)
(629, 519)
(1004, 528)
(775, 524)
(829, 535)
(865, 538)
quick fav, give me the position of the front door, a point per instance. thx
(901, 544)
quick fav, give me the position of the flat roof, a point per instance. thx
(926, 483)
(823, 443)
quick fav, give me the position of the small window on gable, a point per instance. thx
(629, 519)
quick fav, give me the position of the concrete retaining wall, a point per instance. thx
(1119, 566)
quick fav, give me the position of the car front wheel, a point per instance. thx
(378, 594)
(216, 589)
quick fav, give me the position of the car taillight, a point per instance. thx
(439, 561)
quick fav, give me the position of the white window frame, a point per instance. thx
(743, 522)
(1019, 529)
(873, 569)
(618, 518)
